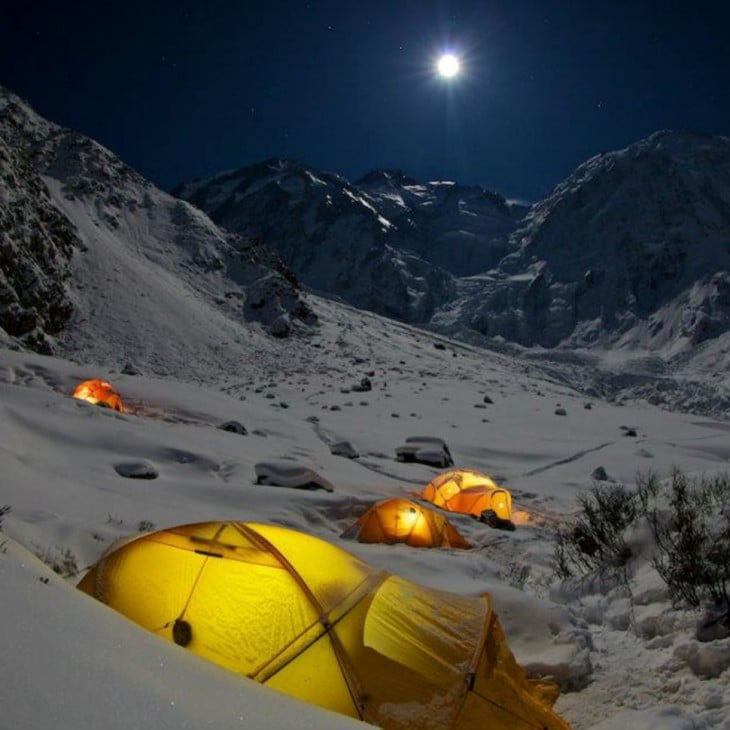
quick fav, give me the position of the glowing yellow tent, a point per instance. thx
(99, 392)
(400, 520)
(472, 493)
(305, 617)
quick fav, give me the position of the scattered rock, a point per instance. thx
(599, 474)
(439, 346)
(364, 386)
(131, 369)
(715, 624)
(487, 399)
(426, 450)
(234, 427)
(628, 431)
(136, 470)
(334, 408)
(479, 405)
(312, 419)
(285, 473)
(705, 660)
(560, 412)
(587, 406)
(344, 448)
(281, 327)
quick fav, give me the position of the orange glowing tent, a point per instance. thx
(472, 493)
(99, 392)
(302, 616)
(400, 520)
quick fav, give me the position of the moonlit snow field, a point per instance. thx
(68, 661)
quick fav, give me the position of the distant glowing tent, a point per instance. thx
(400, 520)
(304, 617)
(99, 392)
(470, 492)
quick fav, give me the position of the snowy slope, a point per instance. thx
(68, 503)
(116, 253)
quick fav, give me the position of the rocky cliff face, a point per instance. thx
(632, 249)
(36, 241)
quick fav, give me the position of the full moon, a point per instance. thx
(448, 65)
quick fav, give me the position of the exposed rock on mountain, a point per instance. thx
(36, 241)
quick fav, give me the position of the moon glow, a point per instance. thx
(448, 66)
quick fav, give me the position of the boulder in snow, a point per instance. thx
(136, 470)
(426, 450)
(285, 473)
(344, 448)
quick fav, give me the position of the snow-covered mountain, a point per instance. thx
(463, 229)
(88, 245)
(630, 253)
(329, 232)
(633, 250)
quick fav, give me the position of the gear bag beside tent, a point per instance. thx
(307, 618)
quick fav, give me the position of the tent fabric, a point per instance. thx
(401, 520)
(303, 616)
(99, 392)
(469, 492)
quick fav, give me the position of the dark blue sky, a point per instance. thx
(185, 89)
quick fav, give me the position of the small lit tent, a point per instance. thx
(99, 392)
(307, 618)
(470, 492)
(400, 520)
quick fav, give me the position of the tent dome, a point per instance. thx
(99, 392)
(470, 492)
(307, 618)
(401, 520)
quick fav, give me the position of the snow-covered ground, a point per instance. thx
(67, 661)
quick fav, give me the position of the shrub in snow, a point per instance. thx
(690, 523)
(596, 542)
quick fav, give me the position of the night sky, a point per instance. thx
(186, 89)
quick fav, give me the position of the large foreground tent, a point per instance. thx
(472, 493)
(307, 618)
(401, 520)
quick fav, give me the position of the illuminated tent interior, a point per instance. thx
(472, 493)
(99, 392)
(302, 616)
(401, 520)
